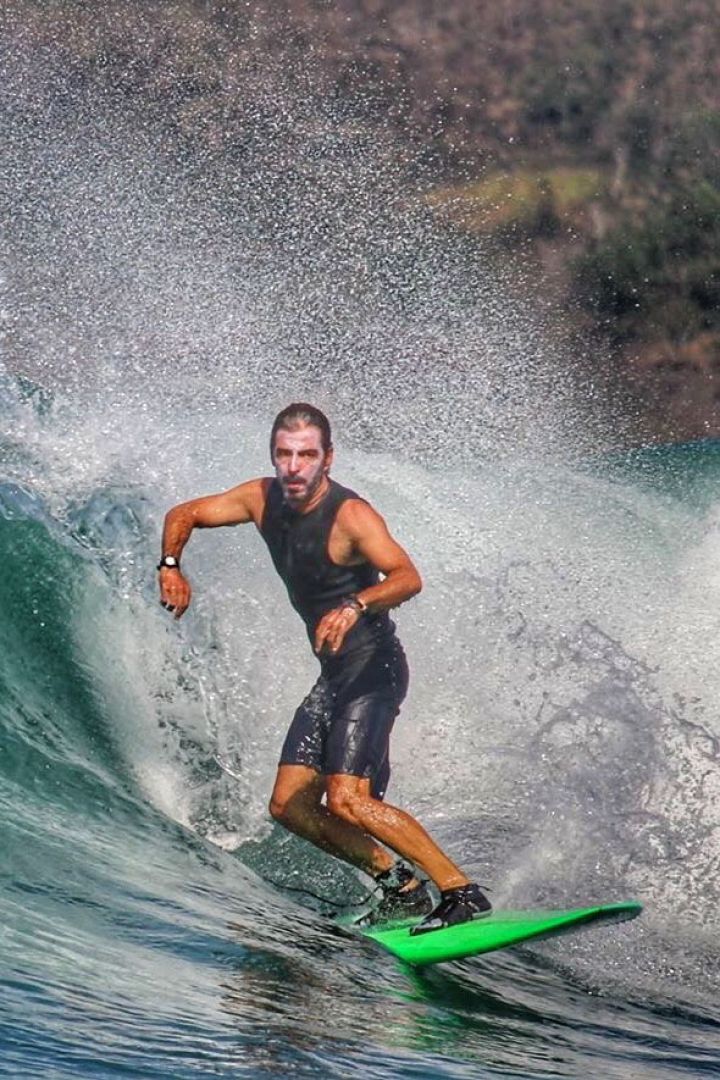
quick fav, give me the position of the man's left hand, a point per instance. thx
(333, 627)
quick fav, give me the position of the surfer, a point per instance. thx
(343, 572)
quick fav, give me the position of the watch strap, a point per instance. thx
(169, 562)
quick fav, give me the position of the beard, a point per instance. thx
(299, 492)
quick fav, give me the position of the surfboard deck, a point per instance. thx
(498, 930)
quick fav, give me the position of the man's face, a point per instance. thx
(300, 463)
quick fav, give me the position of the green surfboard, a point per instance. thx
(496, 931)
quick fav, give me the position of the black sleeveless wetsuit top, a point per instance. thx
(298, 545)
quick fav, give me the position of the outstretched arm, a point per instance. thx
(237, 506)
(370, 542)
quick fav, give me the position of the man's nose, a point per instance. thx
(294, 464)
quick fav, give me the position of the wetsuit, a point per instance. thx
(344, 724)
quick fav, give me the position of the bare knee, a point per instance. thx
(289, 810)
(348, 804)
(297, 793)
(278, 808)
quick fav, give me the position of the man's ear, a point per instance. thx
(328, 460)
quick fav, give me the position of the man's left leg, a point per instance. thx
(356, 764)
(349, 797)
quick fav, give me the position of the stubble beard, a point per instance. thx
(301, 498)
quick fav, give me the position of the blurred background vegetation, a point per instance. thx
(585, 135)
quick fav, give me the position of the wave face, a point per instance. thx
(560, 739)
(561, 734)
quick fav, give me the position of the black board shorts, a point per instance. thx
(344, 723)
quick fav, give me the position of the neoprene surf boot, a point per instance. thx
(398, 902)
(456, 906)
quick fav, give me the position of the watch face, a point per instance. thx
(169, 560)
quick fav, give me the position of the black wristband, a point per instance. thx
(168, 562)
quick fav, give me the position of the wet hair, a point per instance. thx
(300, 414)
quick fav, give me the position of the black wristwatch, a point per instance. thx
(170, 561)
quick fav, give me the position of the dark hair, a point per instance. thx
(300, 414)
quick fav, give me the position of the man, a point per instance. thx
(343, 572)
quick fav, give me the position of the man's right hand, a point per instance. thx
(175, 591)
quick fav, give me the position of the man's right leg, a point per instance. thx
(296, 803)
(299, 789)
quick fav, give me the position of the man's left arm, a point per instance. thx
(370, 540)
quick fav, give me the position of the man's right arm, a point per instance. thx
(238, 506)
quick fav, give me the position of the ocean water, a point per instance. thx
(560, 739)
(561, 733)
